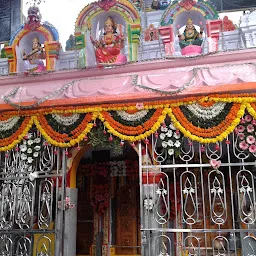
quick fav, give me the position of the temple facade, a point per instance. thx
(138, 139)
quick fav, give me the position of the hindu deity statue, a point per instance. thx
(108, 47)
(34, 60)
(70, 43)
(190, 36)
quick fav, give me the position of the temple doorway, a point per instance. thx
(108, 216)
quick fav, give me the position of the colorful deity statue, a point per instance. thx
(108, 47)
(190, 36)
(33, 19)
(155, 5)
(34, 60)
(70, 43)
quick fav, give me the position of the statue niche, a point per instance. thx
(108, 47)
(25, 52)
(190, 40)
(33, 61)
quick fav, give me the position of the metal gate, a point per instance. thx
(32, 193)
(199, 201)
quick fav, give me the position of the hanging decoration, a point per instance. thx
(246, 134)
(99, 137)
(204, 119)
(171, 138)
(30, 149)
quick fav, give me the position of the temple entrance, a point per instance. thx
(108, 218)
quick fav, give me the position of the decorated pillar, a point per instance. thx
(11, 55)
(134, 41)
(167, 36)
(81, 47)
(213, 32)
(52, 49)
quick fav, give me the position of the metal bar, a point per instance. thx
(27, 177)
(27, 231)
(203, 202)
(231, 191)
(141, 197)
(63, 196)
(187, 230)
(196, 165)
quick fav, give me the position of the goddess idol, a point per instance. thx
(34, 60)
(108, 47)
(191, 37)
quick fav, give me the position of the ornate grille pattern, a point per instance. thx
(202, 199)
(32, 179)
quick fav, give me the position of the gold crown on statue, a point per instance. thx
(110, 21)
(35, 39)
(189, 21)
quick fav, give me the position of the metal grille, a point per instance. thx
(32, 182)
(200, 202)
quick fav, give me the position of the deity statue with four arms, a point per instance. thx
(190, 35)
(34, 60)
(108, 47)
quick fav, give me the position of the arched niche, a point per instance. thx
(180, 23)
(98, 23)
(25, 44)
(123, 12)
(175, 17)
(181, 20)
(174, 10)
(22, 40)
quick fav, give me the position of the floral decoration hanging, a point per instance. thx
(30, 149)
(171, 138)
(246, 132)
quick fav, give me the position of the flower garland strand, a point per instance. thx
(155, 126)
(19, 138)
(219, 137)
(78, 132)
(245, 133)
(211, 131)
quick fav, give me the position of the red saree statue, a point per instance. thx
(108, 47)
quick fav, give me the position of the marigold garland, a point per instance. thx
(205, 120)
(130, 130)
(71, 143)
(12, 141)
(219, 137)
(251, 109)
(211, 131)
(235, 98)
(155, 126)
(130, 133)
(66, 137)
